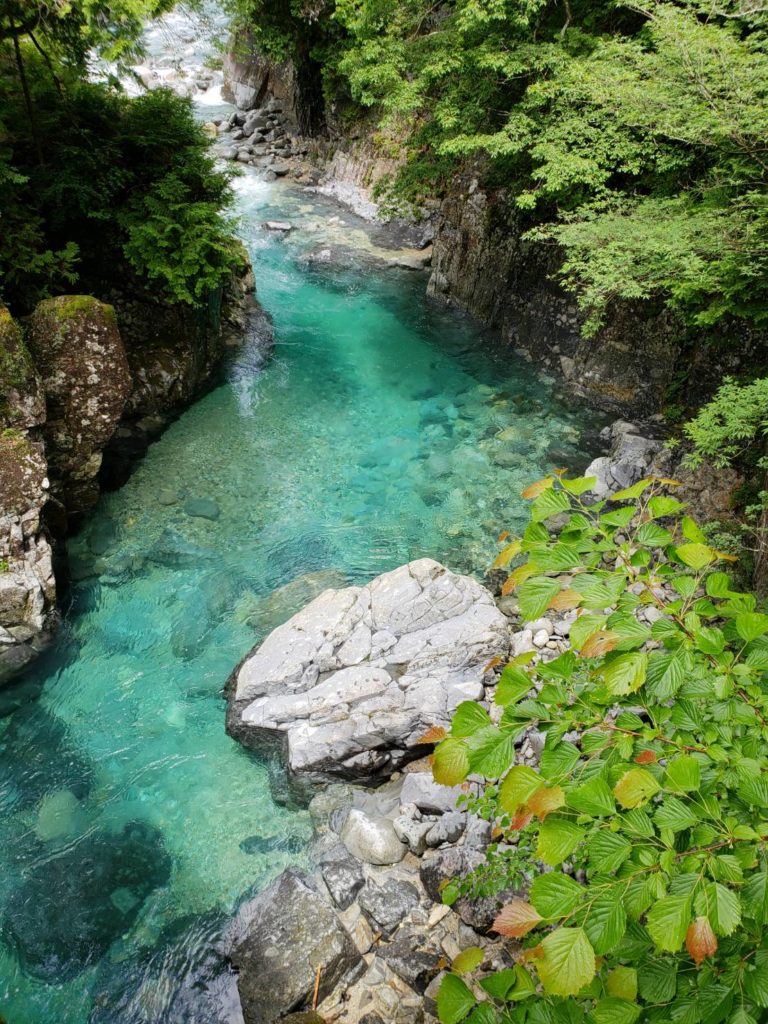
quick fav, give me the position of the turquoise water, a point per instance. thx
(383, 428)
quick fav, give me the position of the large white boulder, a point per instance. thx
(346, 687)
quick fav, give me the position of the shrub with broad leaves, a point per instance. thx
(649, 808)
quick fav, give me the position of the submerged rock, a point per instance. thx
(71, 907)
(293, 934)
(346, 687)
(202, 508)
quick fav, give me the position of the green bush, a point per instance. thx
(649, 809)
(124, 185)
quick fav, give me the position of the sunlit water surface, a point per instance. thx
(383, 428)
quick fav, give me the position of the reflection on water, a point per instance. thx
(382, 429)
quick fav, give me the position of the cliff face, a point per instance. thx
(27, 587)
(482, 263)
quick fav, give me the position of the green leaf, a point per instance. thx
(451, 762)
(674, 815)
(468, 960)
(608, 851)
(719, 585)
(751, 625)
(721, 905)
(657, 980)
(622, 983)
(454, 1000)
(534, 595)
(660, 506)
(514, 683)
(692, 531)
(619, 516)
(584, 627)
(683, 774)
(520, 784)
(756, 984)
(667, 672)
(606, 922)
(755, 894)
(557, 762)
(550, 503)
(630, 493)
(697, 556)
(468, 717)
(554, 895)
(651, 535)
(567, 962)
(579, 485)
(594, 797)
(491, 752)
(558, 838)
(615, 1011)
(558, 558)
(668, 921)
(625, 673)
(635, 787)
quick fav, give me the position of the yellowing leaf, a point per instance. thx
(700, 940)
(516, 577)
(434, 734)
(697, 556)
(521, 819)
(635, 787)
(567, 963)
(502, 536)
(451, 762)
(534, 490)
(516, 919)
(565, 601)
(468, 960)
(505, 556)
(622, 983)
(646, 757)
(599, 643)
(545, 800)
(521, 782)
(492, 664)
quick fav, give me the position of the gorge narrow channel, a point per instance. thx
(380, 429)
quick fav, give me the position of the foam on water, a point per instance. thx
(382, 429)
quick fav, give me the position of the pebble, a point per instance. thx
(540, 638)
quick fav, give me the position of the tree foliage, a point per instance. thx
(650, 802)
(91, 182)
(635, 136)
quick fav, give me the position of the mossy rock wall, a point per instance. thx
(79, 354)
(22, 404)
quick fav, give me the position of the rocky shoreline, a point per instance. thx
(85, 387)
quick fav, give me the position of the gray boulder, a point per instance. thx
(630, 459)
(372, 839)
(293, 931)
(345, 689)
(343, 875)
(387, 905)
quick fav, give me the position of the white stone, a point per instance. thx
(372, 840)
(350, 684)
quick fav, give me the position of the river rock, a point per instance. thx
(345, 688)
(343, 875)
(79, 354)
(372, 839)
(630, 459)
(202, 508)
(387, 905)
(430, 797)
(279, 226)
(293, 933)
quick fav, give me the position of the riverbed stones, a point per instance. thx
(294, 934)
(346, 688)
(343, 875)
(202, 508)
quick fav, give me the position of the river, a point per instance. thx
(382, 428)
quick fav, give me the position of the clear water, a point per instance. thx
(382, 429)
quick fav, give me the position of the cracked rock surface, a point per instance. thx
(345, 688)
